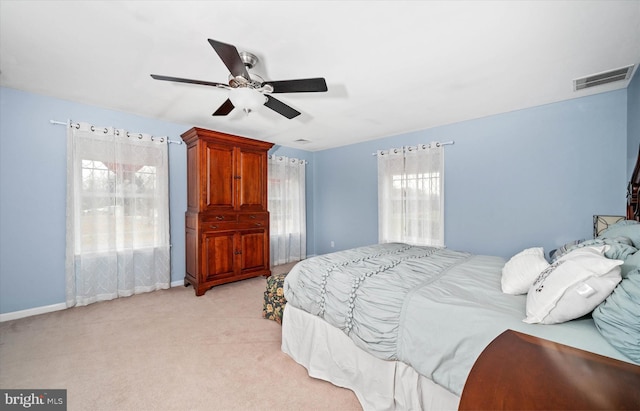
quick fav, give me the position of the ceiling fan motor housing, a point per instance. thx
(255, 81)
(249, 60)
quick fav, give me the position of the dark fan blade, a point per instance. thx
(231, 58)
(189, 81)
(298, 86)
(224, 109)
(280, 107)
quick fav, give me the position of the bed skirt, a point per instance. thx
(328, 354)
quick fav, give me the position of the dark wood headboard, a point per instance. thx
(633, 208)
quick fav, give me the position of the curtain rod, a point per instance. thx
(69, 123)
(438, 144)
(293, 160)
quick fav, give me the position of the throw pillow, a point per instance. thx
(572, 286)
(522, 269)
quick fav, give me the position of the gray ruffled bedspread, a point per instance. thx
(434, 309)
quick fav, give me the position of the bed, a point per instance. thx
(403, 325)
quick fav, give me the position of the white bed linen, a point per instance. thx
(328, 354)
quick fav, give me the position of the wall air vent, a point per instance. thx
(603, 78)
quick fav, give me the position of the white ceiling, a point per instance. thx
(391, 66)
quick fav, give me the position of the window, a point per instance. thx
(117, 201)
(410, 195)
(287, 209)
(117, 214)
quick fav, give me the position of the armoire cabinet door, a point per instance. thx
(254, 250)
(220, 177)
(229, 253)
(251, 182)
(218, 255)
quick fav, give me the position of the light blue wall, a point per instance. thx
(527, 178)
(531, 177)
(33, 184)
(633, 122)
(33, 192)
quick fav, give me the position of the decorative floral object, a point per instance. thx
(274, 300)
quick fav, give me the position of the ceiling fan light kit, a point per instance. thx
(249, 91)
(247, 99)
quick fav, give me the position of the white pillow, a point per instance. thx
(572, 286)
(522, 269)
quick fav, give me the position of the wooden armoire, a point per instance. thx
(227, 222)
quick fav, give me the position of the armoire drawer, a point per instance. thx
(253, 220)
(219, 217)
(217, 226)
(251, 217)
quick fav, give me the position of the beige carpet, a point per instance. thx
(166, 350)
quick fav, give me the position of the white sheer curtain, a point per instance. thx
(117, 214)
(411, 195)
(287, 209)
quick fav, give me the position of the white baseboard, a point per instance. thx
(14, 315)
(32, 311)
(51, 308)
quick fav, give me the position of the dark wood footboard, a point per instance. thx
(521, 372)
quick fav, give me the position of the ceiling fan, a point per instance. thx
(250, 91)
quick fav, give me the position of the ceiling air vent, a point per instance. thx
(302, 141)
(603, 78)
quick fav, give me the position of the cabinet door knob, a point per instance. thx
(238, 252)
